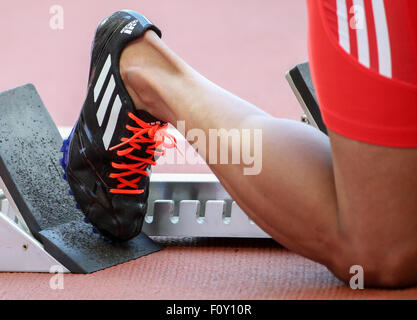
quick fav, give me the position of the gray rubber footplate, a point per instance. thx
(29, 166)
(74, 245)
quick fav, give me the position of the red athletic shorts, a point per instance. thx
(363, 59)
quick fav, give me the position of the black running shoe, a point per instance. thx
(108, 156)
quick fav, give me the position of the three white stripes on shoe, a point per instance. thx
(381, 29)
(110, 89)
(105, 102)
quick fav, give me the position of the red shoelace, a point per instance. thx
(155, 136)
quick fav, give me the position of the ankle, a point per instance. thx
(148, 69)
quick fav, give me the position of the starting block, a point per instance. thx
(40, 228)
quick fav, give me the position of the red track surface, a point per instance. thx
(204, 269)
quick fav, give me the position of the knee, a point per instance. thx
(379, 266)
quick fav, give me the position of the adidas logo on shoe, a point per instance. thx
(129, 27)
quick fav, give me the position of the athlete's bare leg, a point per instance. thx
(335, 201)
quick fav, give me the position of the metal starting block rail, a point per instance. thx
(39, 225)
(195, 205)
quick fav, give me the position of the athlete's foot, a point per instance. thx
(109, 154)
(150, 67)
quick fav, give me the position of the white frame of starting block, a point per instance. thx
(195, 205)
(19, 250)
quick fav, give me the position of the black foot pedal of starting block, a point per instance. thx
(42, 227)
(301, 83)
